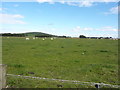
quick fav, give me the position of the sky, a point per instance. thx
(62, 17)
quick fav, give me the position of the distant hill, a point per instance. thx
(38, 34)
(30, 34)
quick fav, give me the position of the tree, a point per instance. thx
(82, 36)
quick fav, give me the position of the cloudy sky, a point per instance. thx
(61, 17)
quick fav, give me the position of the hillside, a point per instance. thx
(32, 34)
(38, 34)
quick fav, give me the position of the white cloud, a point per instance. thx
(78, 28)
(86, 3)
(11, 19)
(107, 31)
(17, 16)
(80, 3)
(103, 35)
(104, 0)
(49, 1)
(61, 0)
(113, 10)
(16, 5)
(107, 28)
(53, 29)
(1, 9)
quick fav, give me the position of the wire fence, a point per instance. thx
(97, 85)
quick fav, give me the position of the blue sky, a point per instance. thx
(61, 18)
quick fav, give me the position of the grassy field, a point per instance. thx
(89, 60)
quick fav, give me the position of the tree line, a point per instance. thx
(12, 35)
(83, 36)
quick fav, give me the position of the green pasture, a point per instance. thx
(87, 60)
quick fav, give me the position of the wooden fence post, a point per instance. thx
(2, 76)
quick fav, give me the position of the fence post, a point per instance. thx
(2, 76)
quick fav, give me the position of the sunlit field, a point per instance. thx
(87, 60)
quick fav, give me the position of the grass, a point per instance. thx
(17, 82)
(89, 60)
